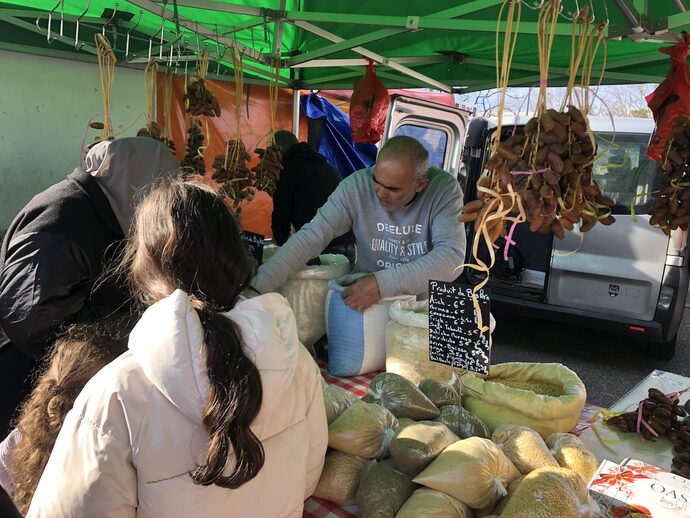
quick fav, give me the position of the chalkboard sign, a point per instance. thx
(254, 243)
(454, 336)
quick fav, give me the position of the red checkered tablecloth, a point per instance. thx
(358, 385)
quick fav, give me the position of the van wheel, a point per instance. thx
(663, 350)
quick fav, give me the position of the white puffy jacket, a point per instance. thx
(135, 432)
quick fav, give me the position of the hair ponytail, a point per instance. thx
(234, 401)
(185, 237)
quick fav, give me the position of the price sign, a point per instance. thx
(254, 243)
(454, 336)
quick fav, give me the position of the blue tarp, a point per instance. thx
(335, 137)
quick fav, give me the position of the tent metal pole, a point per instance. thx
(209, 5)
(631, 14)
(295, 112)
(678, 20)
(341, 45)
(360, 62)
(394, 21)
(377, 57)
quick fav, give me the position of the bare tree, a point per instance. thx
(613, 100)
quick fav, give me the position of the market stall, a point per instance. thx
(418, 415)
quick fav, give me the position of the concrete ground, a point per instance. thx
(609, 365)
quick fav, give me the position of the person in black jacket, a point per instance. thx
(57, 247)
(306, 182)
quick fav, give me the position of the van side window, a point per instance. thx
(624, 172)
(433, 140)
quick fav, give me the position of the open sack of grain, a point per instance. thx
(547, 397)
(306, 292)
(356, 339)
(407, 343)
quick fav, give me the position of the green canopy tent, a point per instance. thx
(442, 44)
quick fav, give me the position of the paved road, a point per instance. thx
(609, 365)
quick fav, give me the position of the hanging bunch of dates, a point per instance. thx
(269, 168)
(231, 170)
(193, 158)
(154, 131)
(671, 210)
(550, 166)
(201, 100)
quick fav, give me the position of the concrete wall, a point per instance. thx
(45, 105)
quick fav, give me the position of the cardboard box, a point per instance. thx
(635, 488)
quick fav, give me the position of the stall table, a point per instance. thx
(358, 385)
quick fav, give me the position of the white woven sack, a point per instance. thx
(306, 292)
(407, 343)
(356, 340)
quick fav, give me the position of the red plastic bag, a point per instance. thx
(368, 108)
(671, 99)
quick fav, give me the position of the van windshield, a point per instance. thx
(624, 172)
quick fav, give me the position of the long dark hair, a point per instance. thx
(185, 237)
(74, 359)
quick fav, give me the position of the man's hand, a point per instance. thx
(362, 294)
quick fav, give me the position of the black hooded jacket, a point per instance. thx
(306, 182)
(53, 252)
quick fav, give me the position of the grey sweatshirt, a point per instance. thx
(405, 247)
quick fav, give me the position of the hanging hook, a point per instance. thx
(606, 10)
(112, 17)
(49, 26)
(534, 5)
(154, 35)
(198, 45)
(77, 44)
(172, 45)
(219, 56)
(141, 13)
(571, 14)
(62, 17)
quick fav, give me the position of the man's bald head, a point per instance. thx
(407, 149)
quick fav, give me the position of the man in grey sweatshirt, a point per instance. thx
(404, 217)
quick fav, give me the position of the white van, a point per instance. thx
(627, 278)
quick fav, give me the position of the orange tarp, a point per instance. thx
(255, 128)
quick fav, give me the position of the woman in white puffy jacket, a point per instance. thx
(216, 409)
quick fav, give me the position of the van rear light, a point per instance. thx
(637, 329)
(665, 298)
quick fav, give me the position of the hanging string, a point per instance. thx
(546, 31)
(238, 71)
(167, 105)
(232, 153)
(106, 67)
(202, 70)
(503, 72)
(578, 45)
(273, 90)
(500, 203)
(150, 80)
(203, 65)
